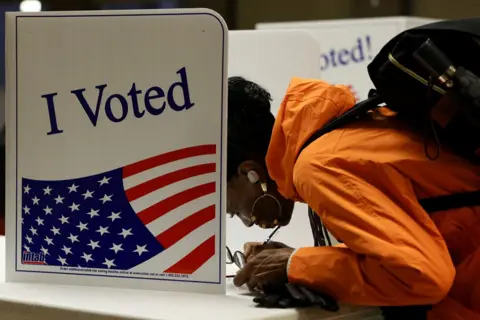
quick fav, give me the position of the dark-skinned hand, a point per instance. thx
(267, 267)
(251, 249)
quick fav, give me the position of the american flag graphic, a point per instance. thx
(124, 217)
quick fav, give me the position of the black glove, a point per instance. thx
(293, 296)
(407, 312)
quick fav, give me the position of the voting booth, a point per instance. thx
(348, 46)
(271, 59)
(116, 144)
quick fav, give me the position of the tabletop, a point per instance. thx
(19, 301)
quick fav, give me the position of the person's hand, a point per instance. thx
(268, 267)
(251, 249)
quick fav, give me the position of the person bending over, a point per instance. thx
(364, 181)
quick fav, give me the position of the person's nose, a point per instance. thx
(247, 222)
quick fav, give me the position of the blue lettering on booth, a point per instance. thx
(337, 57)
(117, 106)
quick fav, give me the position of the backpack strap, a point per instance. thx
(451, 201)
(357, 111)
(320, 234)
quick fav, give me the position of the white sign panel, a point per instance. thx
(116, 149)
(271, 59)
(348, 46)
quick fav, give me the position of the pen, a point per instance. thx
(271, 235)
(242, 262)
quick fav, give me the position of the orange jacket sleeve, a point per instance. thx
(394, 254)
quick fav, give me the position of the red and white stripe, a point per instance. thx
(173, 194)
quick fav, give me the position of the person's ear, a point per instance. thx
(252, 176)
(252, 171)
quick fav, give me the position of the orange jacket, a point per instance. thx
(364, 181)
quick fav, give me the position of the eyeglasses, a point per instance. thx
(237, 257)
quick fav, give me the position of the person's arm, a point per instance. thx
(395, 254)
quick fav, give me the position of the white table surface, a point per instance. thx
(44, 301)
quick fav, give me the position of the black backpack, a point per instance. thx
(428, 75)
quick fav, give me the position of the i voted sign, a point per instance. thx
(116, 136)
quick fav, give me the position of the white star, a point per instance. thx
(47, 210)
(33, 230)
(26, 209)
(93, 244)
(82, 226)
(63, 261)
(93, 213)
(56, 231)
(72, 188)
(73, 238)
(126, 233)
(87, 257)
(105, 180)
(63, 219)
(141, 249)
(59, 199)
(103, 230)
(47, 190)
(45, 251)
(67, 250)
(116, 247)
(106, 198)
(74, 206)
(27, 189)
(21, 219)
(88, 194)
(26, 248)
(29, 239)
(49, 241)
(109, 263)
(35, 200)
(39, 221)
(114, 216)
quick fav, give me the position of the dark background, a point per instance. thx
(244, 14)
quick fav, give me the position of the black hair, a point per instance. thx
(250, 123)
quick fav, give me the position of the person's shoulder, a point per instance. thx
(384, 141)
(361, 144)
(367, 147)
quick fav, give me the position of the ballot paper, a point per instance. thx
(232, 270)
(116, 136)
